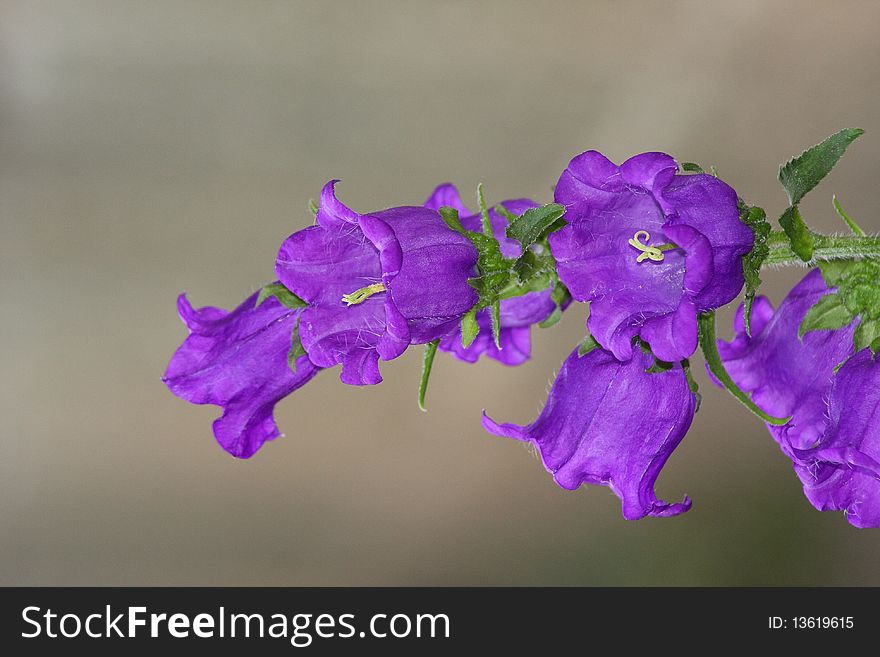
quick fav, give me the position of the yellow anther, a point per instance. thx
(361, 295)
(647, 252)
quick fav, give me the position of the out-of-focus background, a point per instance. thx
(148, 148)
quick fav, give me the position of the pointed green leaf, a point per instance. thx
(828, 313)
(587, 346)
(313, 208)
(284, 296)
(875, 346)
(867, 332)
(427, 364)
(800, 236)
(469, 328)
(802, 173)
(534, 223)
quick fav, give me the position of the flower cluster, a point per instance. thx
(653, 246)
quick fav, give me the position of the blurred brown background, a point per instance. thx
(148, 148)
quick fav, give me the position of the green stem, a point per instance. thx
(825, 247)
(709, 345)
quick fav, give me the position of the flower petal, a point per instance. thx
(610, 423)
(446, 195)
(238, 360)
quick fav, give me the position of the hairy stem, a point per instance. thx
(825, 247)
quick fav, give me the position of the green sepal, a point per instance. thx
(853, 226)
(801, 238)
(296, 348)
(589, 344)
(693, 386)
(427, 364)
(690, 167)
(833, 271)
(494, 269)
(828, 313)
(756, 219)
(495, 317)
(857, 294)
(287, 298)
(802, 173)
(659, 366)
(859, 289)
(867, 333)
(560, 296)
(469, 328)
(484, 213)
(313, 209)
(709, 346)
(533, 224)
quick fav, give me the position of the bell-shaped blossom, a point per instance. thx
(833, 437)
(375, 283)
(611, 423)
(238, 360)
(517, 313)
(648, 248)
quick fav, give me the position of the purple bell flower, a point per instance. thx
(518, 313)
(238, 360)
(375, 283)
(833, 437)
(610, 423)
(617, 250)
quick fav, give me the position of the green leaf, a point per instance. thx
(587, 346)
(853, 226)
(802, 173)
(756, 219)
(469, 328)
(798, 234)
(828, 313)
(867, 333)
(296, 348)
(709, 345)
(313, 208)
(427, 364)
(284, 296)
(875, 346)
(534, 223)
(690, 167)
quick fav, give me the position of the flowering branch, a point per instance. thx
(653, 246)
